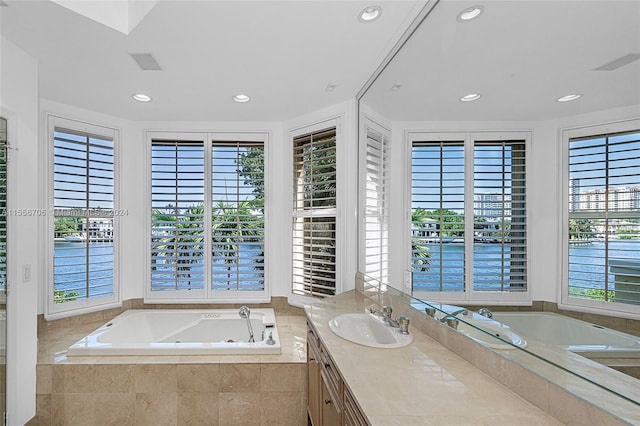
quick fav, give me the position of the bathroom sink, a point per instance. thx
(368, 330)
(494, 329)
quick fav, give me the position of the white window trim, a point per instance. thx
(208, 295)
(469, 296)
(367, 122)
(341, 153)
(61, 310)
(598, 307)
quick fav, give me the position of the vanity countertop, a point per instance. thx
(423, 383)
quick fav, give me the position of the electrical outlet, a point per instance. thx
(26, 273)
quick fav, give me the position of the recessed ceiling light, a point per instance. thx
(330, 87)
(240, 98)
(470, 97)
(396, 87)
(569, 98)
(470, 13)
(141, 97)
(369, 14)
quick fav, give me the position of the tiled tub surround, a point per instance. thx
(170, 390)
(565, 396)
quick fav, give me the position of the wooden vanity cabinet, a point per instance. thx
(330, 403)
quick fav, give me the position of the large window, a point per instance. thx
(603, 223)
(84, 216)
(468, 216)
(207, 219)
(314, 213)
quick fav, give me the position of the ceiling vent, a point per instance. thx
(146, 61)
(620, 62)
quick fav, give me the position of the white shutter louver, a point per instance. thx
(177, 217)
(314, 215)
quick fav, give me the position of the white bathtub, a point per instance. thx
(182, 332)
(581, 337)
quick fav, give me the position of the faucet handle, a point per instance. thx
(387, 310)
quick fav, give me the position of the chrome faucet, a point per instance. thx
(453, 314)
(386, 315)
(485, 312)
(245, 313)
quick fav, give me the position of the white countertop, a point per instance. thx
(423, 383)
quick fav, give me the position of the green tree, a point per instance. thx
(184, 245)
(420, 253)
(451, 223)
(231, 227)
(581, 229)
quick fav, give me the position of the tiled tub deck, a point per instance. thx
(170, 390)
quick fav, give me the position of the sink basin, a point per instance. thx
(367, 330)
(494, 329)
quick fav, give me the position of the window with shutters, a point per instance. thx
(603, 221)
(376, 203)
(207, 218)
(314, 213)
(468, 216)
(85, 220)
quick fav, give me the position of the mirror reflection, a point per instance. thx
(498, 125)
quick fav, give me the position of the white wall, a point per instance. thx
(544, 181)
(19, 104)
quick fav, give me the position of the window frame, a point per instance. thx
(337, 122)
(207, 295)
(382, 196)
(60, 310)
(469, 296)
(565, 301)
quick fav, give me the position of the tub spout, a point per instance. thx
(245, 313)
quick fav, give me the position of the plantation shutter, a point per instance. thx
(314, 214)
(83, 187)
(604, 218)
(376, 209)
(4, 145)
(177, 216)
(437, 216)
(500, 239)
(238, 222)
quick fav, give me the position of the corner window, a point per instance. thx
(468, 216)
(314, 213)
(85, 218)
(603, 222)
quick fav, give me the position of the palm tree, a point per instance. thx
(419, 250)
(232, 226)
(183, 243)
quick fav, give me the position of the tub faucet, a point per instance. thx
(485, 312)
(453, 314)
(245, 313)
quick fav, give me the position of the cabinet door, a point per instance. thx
(331, 411)
(314, 390)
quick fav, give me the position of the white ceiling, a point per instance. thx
(520, 55)
(281, 53)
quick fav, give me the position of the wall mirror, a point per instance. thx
(517, 59)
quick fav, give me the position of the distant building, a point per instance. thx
(574, 194)
(490, 205)
(99, 228)
(619, 199)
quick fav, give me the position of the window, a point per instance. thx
(468, 216)
(376, 203)
(238, 216)
(314, 213)
(84, 216)
(603, 223)
(177, 216)
(207, 219)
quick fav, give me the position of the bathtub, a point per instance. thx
(583, 338)
(182, 332)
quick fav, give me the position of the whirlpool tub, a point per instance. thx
(182, 332)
